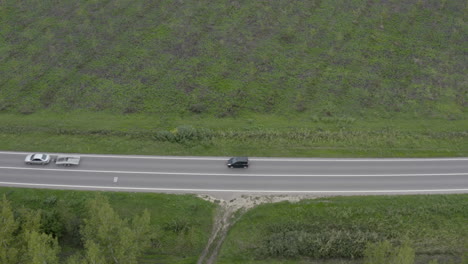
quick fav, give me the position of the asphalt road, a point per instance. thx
(265, 175)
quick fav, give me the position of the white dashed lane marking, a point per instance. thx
(256, 158)
(243, 174)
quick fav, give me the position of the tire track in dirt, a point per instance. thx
(229, 212)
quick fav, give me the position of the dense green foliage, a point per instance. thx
(330, 58)
(114, 227)
(342, 228)
(107, 238)
(21, 237)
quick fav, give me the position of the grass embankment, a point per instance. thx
(253, 135)
(182, 223)
(334, 78)
(224, 58)
(336, 230)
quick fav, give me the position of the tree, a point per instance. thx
(8, 227)
(41, 248)
(30, 221)
(93, 253)
(141, 228)
(108, 237)
(75, 259)
(36, 247)
(21, 240)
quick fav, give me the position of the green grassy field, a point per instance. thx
(264, 78)
(224, 58)
(336, 230)
(182, 223)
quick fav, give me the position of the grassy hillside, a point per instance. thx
(224, 58)
(263, 78)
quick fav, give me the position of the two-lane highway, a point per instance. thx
(265, 175)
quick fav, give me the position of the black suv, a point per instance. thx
(238, 162)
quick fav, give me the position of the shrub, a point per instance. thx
(164, 136)
(184, 134)
(385, 253)
(197, 108)
(178, 226)
(52, 223)
(333, 243)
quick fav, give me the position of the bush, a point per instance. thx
(178, 226)
(164, 136)
(197, 108)
(184, 134)
(333, 243)
(385, 253)
(52, 223)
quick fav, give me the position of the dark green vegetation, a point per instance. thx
(289, 78)
(334, 230)
(179, 224)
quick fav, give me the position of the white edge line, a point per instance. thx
(226, 190)
(252, 158)
(244, 175)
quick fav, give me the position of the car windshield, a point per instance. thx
(43, 157)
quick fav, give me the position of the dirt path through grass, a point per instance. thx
(229, 212)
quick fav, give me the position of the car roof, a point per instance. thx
(38, 156)
(241, 159)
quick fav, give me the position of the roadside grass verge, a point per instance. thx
(337, 229)
(252, 135)
(182, 223)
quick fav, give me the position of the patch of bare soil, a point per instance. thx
(229, 212)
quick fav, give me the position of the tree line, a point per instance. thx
(25, 237)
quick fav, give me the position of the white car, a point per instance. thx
(41, 159)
